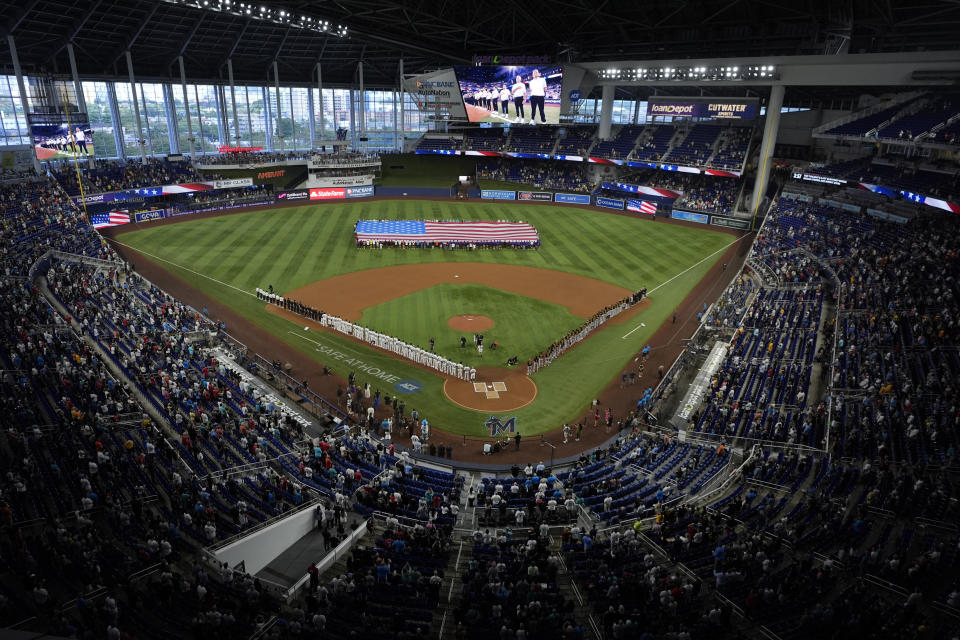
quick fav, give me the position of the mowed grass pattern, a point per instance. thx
(291, 247)
(523, 326)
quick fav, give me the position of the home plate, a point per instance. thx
(455, 276)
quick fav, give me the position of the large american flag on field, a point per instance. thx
(446, 232)
(642, 206)
(112, 219)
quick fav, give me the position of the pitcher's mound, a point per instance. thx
(470, 323)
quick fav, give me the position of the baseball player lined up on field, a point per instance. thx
(395, 345)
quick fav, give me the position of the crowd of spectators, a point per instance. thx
(118, 175)
(540, 174)
(125, 421)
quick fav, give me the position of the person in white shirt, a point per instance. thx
(504, 100)
(538, 92)
(519, 93)
(81, 140)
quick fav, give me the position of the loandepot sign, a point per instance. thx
(356, 363)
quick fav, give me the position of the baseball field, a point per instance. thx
(526, 298)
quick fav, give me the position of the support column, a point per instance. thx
(136, 108)
(403, 116)
(636, 110)
(146, 119)
(23, 94)
(279, 118)
(115, 120)
(233, 101)
(223, 120)
(186, 105)
(766, 147)
(313, 124)
(78, 86)
(320, 97)
(353, 119)
(267, 117)
(606, 111)
(396, 129)
(361, 105)
(173, 129)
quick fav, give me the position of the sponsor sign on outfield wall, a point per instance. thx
(572, 198)
(359, 192)
(145, 216)
(544, 196)
(690, 216)
(328, 194)
(293, 195)
(609, 203)
(497, 194)
(731, 223)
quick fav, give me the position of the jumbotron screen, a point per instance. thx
(514, 95)
(58, 141)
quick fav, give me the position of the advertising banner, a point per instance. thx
(340, 181)
(483, 154)
(359, 192)
(690, 216)
(811, 177)
(543, 196)
(609, 203)
(293, 195)
(145, 216)
(327, 194)
(731, 223)
(572, 198)
(232, 183)
(731, 109)
(437, 94)
(648, 165)
(497, 194)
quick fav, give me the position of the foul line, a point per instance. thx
(180, 266)
(320, 344)
(724, 248)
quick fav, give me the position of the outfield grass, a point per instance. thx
(523, 326)
(292, 247)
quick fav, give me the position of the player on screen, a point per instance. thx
(538, 91)
(519, 91)
(81, 140)
(504, 100)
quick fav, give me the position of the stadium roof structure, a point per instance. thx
(432, 33)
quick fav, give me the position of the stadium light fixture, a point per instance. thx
(265, 13)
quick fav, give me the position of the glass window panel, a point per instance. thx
(98, 109)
